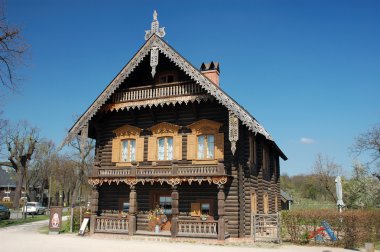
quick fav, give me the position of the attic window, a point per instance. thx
(167, 78)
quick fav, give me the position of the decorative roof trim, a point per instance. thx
(188, 68)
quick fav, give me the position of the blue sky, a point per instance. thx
(309, 71)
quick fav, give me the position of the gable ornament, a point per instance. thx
(159, 31)
(233, 129)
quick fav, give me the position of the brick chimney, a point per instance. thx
(211, 71)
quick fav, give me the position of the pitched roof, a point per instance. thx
(286, 196)
(215, 91)
(6, 180)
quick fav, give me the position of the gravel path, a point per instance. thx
(27, 238)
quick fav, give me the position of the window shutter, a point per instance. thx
(140, 149)
(191, 148)
(152, 148)
(219, 146)
(116, 150)
(195, 209)
(177, 147)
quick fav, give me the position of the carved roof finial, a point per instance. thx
(155, 29)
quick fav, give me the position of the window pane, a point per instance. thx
(161, 149)
(205, 208)
(133, 150)
(170, 148)
(201, 149)
(210, 146)
(124, 151)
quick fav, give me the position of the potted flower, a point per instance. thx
(204, 217)
(156, 219)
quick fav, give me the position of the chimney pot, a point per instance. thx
(211, 71)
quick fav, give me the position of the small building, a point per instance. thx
(174, 153)
(286, 200)
(7, 186)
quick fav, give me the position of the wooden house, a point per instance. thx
(175, 154)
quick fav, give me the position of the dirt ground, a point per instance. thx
(28, 238)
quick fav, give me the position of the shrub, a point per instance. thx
(352, 228)
(76, 222)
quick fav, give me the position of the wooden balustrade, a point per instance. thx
(106, 224)
(165, 171)
(198, 228)
(113, 172)
(173, 89)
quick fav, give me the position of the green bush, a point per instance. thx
(352, 228)
(76, 222)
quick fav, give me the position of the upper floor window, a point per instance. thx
(127, 146)
(205, 144)
(165, 148)
(206, 147)
(128, 151)
(165, 143)
(167, 77)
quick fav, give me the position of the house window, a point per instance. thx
(165, 148)
(254, 203)
(167, 78)
(166, 204)
(206, 147)
(205, 208)
(128, 150)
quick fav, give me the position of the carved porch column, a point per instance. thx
(221, 213)
(94, 207)
(175, 211)
(132, 211)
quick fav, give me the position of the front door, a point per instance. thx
(162, 212)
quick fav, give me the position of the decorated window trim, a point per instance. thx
(205, 127)
(164, 130)
(127, 132)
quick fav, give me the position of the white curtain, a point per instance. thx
(170, 148)
(210, 146)
(133, 150)
(201, 148)
(161, 149)
(124, 151)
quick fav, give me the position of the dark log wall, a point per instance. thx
(256, 179)
(243, 178)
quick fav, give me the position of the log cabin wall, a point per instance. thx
(181, 115)
(256, 179)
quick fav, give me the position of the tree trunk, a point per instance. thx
(18, 190)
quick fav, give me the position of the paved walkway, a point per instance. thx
(27, 238)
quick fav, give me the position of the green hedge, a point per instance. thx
(352, 228)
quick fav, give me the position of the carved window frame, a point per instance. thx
(164, 130)
(127, 132)
(205, 127)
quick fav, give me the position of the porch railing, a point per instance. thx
(162, 171)
(106, 224)
(172, 89)
(198, 228)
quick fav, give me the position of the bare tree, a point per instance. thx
(369, 142)
(12, 51)
(20, 142)
(83, 158)
(325, 170)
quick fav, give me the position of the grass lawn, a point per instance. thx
(7, 223)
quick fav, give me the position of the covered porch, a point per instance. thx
(180, 207)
